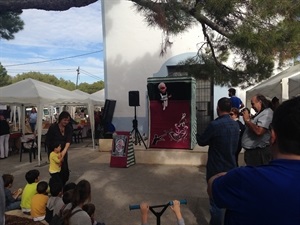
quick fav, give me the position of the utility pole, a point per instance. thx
(78, 72)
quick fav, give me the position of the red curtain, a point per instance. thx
(171, 127)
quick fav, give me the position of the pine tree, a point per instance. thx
(254, 34)
(5, 79)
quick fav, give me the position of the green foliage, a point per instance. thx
(5, 79)
(66, 84)
(91, 88)
(250, 36)
(47, 78)
(218, 10)
(53, 80)
(10, 23)
(168, 17)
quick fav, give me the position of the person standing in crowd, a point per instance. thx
(275, 103)
(266, 194)
(234, 114)
(222, 136)
(4, 137)
(82, 114)
(33, 119)
(236, 102)
(60, 133)
(97, 117)
(7, 113)
(256, 137)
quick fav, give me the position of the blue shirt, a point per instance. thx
(222, 136)
(33, 117)
(260, 195)
(235, 102)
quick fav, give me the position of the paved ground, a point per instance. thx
(113, 189)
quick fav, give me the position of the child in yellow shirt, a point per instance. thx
(55, 161)
(39, 202)
(32, 178)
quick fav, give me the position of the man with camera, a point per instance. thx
(256, 137)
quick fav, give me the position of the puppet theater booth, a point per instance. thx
(172, 112)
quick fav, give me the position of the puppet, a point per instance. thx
(163, 94)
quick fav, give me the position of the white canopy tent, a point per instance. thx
(30, 92)
(93, 101)
(99, 96)
(96, 98)
(283, 85)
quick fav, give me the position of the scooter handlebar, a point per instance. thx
(133, 207)
(182, 202)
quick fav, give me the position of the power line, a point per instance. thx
(84, 72)
(51, 60)
(42, 70)
(90, 75)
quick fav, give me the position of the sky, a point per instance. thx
(67, 40)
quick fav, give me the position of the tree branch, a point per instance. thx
(153, 6)
(217, 62)
(220, 65)
(51, 5)
(203, 19)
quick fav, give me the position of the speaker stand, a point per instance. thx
(137, 135)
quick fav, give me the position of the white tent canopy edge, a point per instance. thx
(30, 92)
(283, 85)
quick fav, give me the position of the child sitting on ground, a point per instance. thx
(67, 196)
(69, 186)
(90, 209)
(39, 202)
(55, 202)
(32, 178)
(12, 199)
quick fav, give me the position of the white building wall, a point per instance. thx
(132, 55)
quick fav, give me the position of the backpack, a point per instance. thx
(49, 215)
(59, 219)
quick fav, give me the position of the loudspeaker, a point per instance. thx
(108, 111)
(134, 98)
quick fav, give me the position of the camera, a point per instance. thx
(243, 110)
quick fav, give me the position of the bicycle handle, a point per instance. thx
(182, 202)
